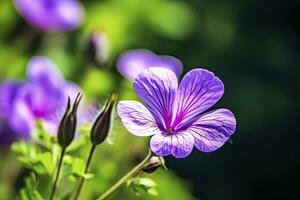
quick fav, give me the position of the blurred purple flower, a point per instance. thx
(42, 96)
(133, 62)
(7, 136)
(51, 15)
(174, 114)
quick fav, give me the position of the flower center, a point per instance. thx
(170, 130)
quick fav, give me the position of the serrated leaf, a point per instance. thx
(32, 157)
(30, 192)
(46, 160)
(74, 168)
(41, 136)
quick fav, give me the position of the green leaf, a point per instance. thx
(152, 191)
(41, 136)
(143, 184)
(34, 157)
(46, 161)
(30, 192)
(74, 168)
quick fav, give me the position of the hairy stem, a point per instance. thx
(87, 166)
(127, 176)
(58, 173)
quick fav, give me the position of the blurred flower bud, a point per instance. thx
(67, 127)
(102, 125)
(154, 163)
(97, 48)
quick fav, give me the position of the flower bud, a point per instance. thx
(97, 48)
(154, 163)
(102, 124)
(67, 126)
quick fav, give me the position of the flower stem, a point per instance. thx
(87, 166)
(130, 174)
(59, 169)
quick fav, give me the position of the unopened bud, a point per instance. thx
(102, 125)
(154, 163)
(67, 126)
(97, 48)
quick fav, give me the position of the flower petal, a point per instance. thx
(133, 62)
(69, 15)
(7, 136)
(213, 129)
(21, 120)
(136, 118)
(157, 88)
(179, 145)
(71, 90)
(8, 90)
(53, 15)
(171, 63)
(199, 90)
(43, 72)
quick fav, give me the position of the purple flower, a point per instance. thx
(133, 62)
(174, 114)
(42, 96)
(7, 136)
(51, 15)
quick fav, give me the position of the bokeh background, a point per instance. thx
(252, 45)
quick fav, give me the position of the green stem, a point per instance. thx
(87, 166)
(127, 176)
(58, 173)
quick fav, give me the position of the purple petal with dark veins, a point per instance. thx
(212, 129)
(157, 88)
(136, 118)
(199, 90)
(179, 145)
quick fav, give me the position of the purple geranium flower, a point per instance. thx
(133, 62)
(174, 114)
(51, 15)
(42, 96)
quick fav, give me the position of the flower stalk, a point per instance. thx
(136, 170)
(58, 173)
(87, 167)
(99, 133)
